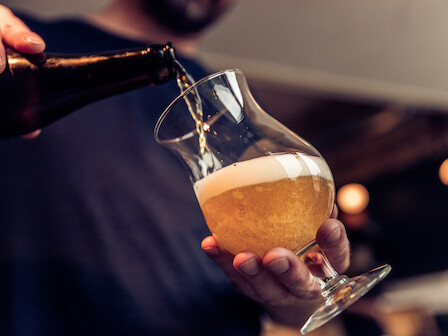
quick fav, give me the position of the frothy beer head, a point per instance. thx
(271, 201)
(260, 170)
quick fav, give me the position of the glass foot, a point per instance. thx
(344, 296)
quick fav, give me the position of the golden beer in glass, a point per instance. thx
(266, 202)
(259, 184)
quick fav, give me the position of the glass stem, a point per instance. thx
(319, 266)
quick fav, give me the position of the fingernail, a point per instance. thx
(250, 267)
(334, 236)
(212, 251)
(279, 266)
(33, 39)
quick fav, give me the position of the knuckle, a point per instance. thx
(5, 11)
(11, 25)
(276, 301)
(8, 26)
(305, 286)
(301, 279)
(308, 294)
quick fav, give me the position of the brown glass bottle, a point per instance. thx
(36, 90)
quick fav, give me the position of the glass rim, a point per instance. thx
(183, 94)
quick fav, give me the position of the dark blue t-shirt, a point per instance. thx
(100, 231)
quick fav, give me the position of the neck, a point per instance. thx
(128, 19)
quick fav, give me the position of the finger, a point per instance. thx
(32, 135)
(334, 212)
(2, 56)
(288, 269)
(332, 239)
(224, 260)
(17, 35)
(267, 289)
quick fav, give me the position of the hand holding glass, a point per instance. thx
(259, 185)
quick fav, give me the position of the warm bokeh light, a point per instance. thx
(443, 172)
(353, 198)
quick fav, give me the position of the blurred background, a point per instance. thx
(366, 82)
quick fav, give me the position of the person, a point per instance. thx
(100, 231)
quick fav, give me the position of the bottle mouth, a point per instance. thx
(162, 62)
(180, 97)
(169, 54)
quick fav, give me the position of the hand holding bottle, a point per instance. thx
(16, 35)
(37, 90)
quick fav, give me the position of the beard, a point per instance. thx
(186, 17)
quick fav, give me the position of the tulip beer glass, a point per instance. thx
(258, 184)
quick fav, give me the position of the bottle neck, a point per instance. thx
(154, 64)
(36, 90)
(162, 63)
(94, 76)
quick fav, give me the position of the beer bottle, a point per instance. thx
(36, 90)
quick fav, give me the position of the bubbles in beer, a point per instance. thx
(271, 201)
